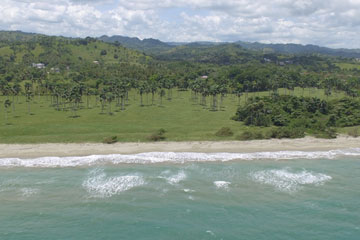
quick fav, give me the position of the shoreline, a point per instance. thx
(86, 149)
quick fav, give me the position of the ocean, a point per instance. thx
(273, 195)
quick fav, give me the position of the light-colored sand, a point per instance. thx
(85, 149)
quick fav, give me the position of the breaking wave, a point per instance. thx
(27, 192)
(99, 185)
(287, 180)
(222, 184)
(175, 178)
(172, 157)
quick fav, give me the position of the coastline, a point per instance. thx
(86, 149)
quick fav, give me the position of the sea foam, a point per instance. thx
(173, 179)
(99, 185)
(287, 180)
(27, 192)
(222, 184)
(171, 157)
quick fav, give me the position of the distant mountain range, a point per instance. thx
(157, 47)
(148, 45)
(291, 48)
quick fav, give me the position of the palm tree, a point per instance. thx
(161, 94)
(28, 94)
(213, 91)
(102, 100)
(109, 98)
(153, 88)
(88, 93)
(142, 89)
(120, 91)
(7, 104)
(16, 89)
(222, 90)
(75, 98)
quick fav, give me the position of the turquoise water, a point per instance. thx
(109, 198)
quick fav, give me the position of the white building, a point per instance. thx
(38, 65)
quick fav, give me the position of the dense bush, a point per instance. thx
(110, 140)
(224, 132)
(287, 132)
(252, 135)
(347, 112)
(295, 115)
(278, 132)
(354, 132)
(158, 135)
(279, 110)
(327, 133)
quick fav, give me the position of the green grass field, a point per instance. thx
(348, 66)
(183, 119)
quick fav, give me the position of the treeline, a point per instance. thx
(112, 82)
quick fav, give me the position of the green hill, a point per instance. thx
(63, 52)
(12, 36)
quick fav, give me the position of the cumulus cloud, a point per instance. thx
(331, 23)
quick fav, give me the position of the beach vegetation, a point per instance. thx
(110, 140)
(252, 135)
(353, 132)
(293, 116)
(158, 135)
(224, 132)
(286, 132)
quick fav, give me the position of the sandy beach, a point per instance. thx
(85, 149)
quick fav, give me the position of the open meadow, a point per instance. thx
(183, 118)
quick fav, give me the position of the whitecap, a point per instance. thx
(175, 178)
(173, 157)
(222, 184)
(287, 180)
(28, 192)
(99, 185)
(187, 190)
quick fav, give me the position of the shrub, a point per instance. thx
(224, 132)
(286, 132)
(251, 135)
(157, 136)
(354, 132)
(280, 120)
(327, 133)
(247, 135)
(110, 140)
(161, 131)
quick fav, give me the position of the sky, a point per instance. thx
(331, 23)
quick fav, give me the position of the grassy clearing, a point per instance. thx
(183, 120)
(348, 66)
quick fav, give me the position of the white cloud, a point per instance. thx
(332, 23)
